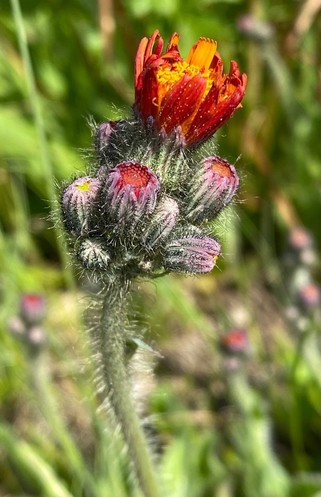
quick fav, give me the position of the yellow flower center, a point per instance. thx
(83, 187)
(167, 76)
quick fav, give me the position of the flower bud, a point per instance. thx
(32, 308)
(310, 296)
(103, 134)
(212, 189)
(161, 223)
(78, 201)
(235, 341)
(93, 254)
(300, 239)
(191, 253)
(131, 191)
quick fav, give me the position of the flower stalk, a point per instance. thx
(111, 342)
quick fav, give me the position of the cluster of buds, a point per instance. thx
(147, 206)
(27, 325)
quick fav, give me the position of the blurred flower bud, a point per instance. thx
(300, 238)
(310, 296)
(32, 308)
(212, 189)
(301, 247)
(235, 341)
(161, 223)
(191, 253)
(255, 29)
(16, 326)
(78, 201)
(131, 192)
(36, 338)
(93, 254)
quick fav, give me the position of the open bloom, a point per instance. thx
(191, 97)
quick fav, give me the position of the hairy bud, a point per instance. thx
(77, 202)
(212, 189)
(161, 223)
(193, 253)
(93, 254)
(131, 192)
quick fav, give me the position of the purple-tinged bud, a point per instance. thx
(78, 201)
(103, 134)
(191, 253)
(32, 308)
(212, 189)
(93, 254)
(235, 341)
(161, 224)
(310, 296)
(131, 191)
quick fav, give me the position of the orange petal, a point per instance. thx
(201, 54)
(139, 62)
(173, 43)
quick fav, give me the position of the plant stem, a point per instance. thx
(111, 340)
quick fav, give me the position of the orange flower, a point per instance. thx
(191, 97)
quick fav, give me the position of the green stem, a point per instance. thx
(111, 340)
(40, 129)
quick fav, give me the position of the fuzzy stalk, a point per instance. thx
(111, 344)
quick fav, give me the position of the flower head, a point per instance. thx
(132, 190)
(192, 97)
(78, 201)
(191, 253)
(212, 189)
(32, 308)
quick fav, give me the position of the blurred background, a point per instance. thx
(234, 406)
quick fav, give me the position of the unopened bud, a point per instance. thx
(212, 189)
(310, 296)
(161, 223)
(32, 308)
(36, 337)
(131, 192)
(78, 201)
(300, 239)
(93, 254)
(104, 132)
(191, 253)
(235, 341)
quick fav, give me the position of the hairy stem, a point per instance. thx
(111, 340)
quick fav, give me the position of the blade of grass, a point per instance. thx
(42, 138)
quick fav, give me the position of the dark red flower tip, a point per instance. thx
(236, 341)
(203, 97)
(32, 307)
(135, 174)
